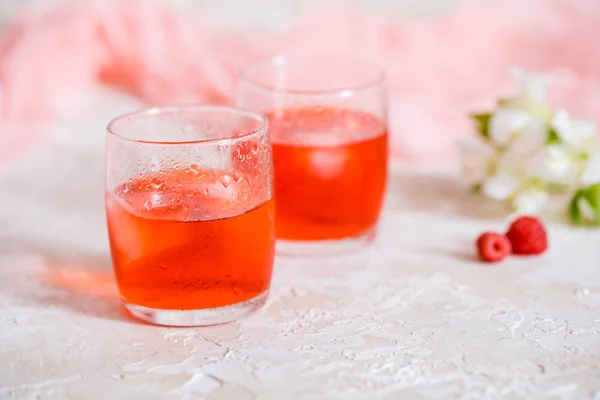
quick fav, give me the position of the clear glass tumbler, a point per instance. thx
(327, 118)
(190, 213)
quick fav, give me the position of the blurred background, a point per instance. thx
(273, 13)
(63, 71)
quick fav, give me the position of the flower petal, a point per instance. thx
(591, 174)
(530, 201)
(501, 186)
(532, 86)
(573, 133)
(505, 123)
(584, 130)
(476, 156)
(553, 163)
(533, 137)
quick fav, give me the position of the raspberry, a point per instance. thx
(527, 236)
(493, 247)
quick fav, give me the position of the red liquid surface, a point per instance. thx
(330, 172)
(186, 240)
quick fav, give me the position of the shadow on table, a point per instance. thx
(83, 287)
(440, 193)
(81, 281)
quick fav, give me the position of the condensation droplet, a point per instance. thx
(195, 168)
(226, 180)
(156, 185)
(238, 177)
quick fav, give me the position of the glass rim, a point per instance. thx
(276, 61)
(162, 110)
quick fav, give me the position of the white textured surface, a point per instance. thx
(414, 317)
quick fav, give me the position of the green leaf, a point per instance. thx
(584, 208)
(553, 137)
(483, 121)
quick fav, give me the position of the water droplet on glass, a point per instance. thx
(226, 180)
(156, 185)
(195, 168)
(238, 177)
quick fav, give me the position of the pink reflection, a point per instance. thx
(78, 279)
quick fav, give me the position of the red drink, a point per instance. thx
(330, 172)
(190, 239)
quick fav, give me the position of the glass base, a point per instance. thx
(203, 317)
(325, 248)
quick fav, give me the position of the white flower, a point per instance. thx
(532, 137)
(575, 134)
(591, 173)
(506, 124)
(501, 185)
(553, 164)
(477, 157)
(524, 117)
(500, 171)
(513, 183)
(577, 157)
(524, 194)
(525, 148)
(531, 200)
(532, 93)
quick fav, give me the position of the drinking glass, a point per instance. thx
(190, 213)
(327, 117)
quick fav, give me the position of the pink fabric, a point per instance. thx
(438, 71)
